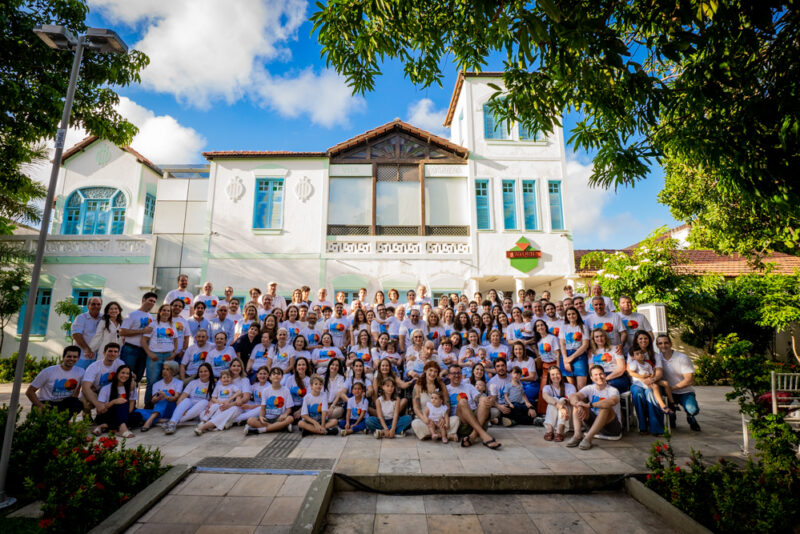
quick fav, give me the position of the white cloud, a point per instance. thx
(422, 114)
(161, 138)
(594, 224)
(204, 51)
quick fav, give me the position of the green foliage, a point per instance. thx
(712, 85)
(749, 373)
(33, 82)
(33, 366)
(13, 290)
(762, 497)
(70, 309)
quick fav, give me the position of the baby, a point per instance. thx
(437, 415)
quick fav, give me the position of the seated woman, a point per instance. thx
(165, 395)
(119, 400)
(648, 411)
(559, 411)
(222, 408)
(610, 359)
(429, 382)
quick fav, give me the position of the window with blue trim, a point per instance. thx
(509, 205)
(41, 312)
(529, 135)
(556, 210)
(349, 295)
(529, 204)
(95, 211)
(492, 128)
(483, 219)
(82, 296)
(268, 210)
(149, 213)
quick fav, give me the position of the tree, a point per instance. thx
(69, 309)
(13, 290)
(707, 83)
(33, 82)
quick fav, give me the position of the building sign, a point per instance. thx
(445, 171)
(523, 256)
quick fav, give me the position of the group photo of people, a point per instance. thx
(387, 365)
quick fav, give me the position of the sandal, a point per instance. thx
(466, 442)
(548, 436)
(559, 437)
(488, 444)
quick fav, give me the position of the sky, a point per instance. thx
(248, 75)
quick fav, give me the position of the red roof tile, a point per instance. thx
(84, 144)
(397, 124)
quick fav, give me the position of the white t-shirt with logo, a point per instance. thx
(606, 358)
(99, 374)
(54, 383)
(314, 405)
(220, 359)
(194, 357)
(593, 394)
(280, 356)
(337, 328)
(225, 393)
(86, 325)
(609, 323)
(137, 320)
(276, 401)
(643, 368)
(163, 336)
(464, 390)
(356, 408)
(259, 357)
(548, 346)
(185, 297)
(573, 336)
(211, 303)
(174, 388)
(197, 390)
(105, 393)
(497, 387)
(674, 369)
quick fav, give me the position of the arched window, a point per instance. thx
(95, 211)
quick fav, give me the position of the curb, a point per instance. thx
(671, 515)
(127, 515)
(314, 510)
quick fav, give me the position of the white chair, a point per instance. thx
(788, 383)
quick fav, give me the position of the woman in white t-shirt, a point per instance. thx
(108, 328)
(221, 356)
(298, 383)
(529, 379)
(559, 411)
(165, 394)
(194, 399)
(549, 350)
(252, 405)
(435, 331)
(292, 323)
(574, 340)
(323, 355)
(250, 316)
(160, 345)
(258, 357)
(611, 359)
(334, 385)
(119, 400)
(361, 350)
(495, 348)
(281, 353)
(223, 407)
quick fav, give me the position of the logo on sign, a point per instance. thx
(523, 256)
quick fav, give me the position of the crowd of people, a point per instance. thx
(445, 370)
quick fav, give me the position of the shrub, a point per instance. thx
(33, 366)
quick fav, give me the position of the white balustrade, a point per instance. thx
(397, 246)
(89, 245)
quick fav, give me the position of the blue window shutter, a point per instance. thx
(529, 204)
(527, 135)
(41, 313)
(490, 130)
(149, 213)
(509, 205)
(277, 203)
(117, 220)
(482, 204)
(556, 211)
(268, 203)
(72, 217)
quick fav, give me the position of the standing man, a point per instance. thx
(339, 327)
(277, 300)
(580, 305)
(679, 373)
(58, 385)
(132, 328)
(209, 300)
(597, 291)
(632, 321)
(305, 294)
(595, 406)
(422, 295)
(221, 323)
(183, 294)
(322, 299)
(228, 297)
(83, 329)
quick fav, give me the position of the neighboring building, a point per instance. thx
(391, 208)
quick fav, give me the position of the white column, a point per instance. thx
(472, 287)
(519, 283)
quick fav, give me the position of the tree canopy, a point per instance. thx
(33, 83)
(710, 86)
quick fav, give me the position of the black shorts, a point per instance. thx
(612, 428)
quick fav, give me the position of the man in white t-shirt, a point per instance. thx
(132, 328)
(339, 327)
(679, 374)
(472, 409)
(183, 294)
(497, 388)
(83, 329)
(632, 321)
(597, 291)
(422, 295)
(210, 300)
(595, 406)
(607, 321)
(58, 385)
(413, 322)
(322, 299)
(277, 300)
(98, 375)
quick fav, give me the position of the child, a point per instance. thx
(467, 361)
(222, 408)
(357, 406)
(480, 385)
(522, 410)
(165, 396)
(252, 404)
(276, 402)
(483, 358)
(119, 400)
(640, 369)
(388, 422)
(438, 417)
(314, 413)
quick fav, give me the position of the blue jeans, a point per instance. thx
(689, 403)
(622, 383)
(531, 391)
(134, 357)
(154, 372)
(360, 427)
(403, 422)
(648, 412)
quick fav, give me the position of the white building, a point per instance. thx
(391, 208)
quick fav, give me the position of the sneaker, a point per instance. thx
(198, 431)
(250, 431)
(228, 424)
(170, 429)
(585, 445)
(693, 424)
(378, 434)
(290, 428)
(574, 441)
(506, 421)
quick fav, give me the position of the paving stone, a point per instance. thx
(449, 524)
(358, 466)
(282, 511)
(448, 504)
(226, 529)
(401, 524)
(191, 509)
(614, 522)
(350, 523)
(598, 502)
(544, 503)
(345, 502)
(162, 528)
(400, 504)
(296, 485)
(561, 522)
(257, 486)
(240, 510)
(273, 529)
(507, 524)
(403, 465)
(496, 504)
(207, 484)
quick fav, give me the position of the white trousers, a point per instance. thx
(220, 417)
(247, 414)
(422, 431)
(188, 409)
(553, 417)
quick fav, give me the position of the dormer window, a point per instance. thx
(95, 211)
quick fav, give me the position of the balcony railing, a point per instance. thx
(421, 247)
(85, 245)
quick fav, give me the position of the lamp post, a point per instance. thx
(59, 38)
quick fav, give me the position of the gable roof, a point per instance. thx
(236, 154)
(84, 144)
(448, 119)
(398, 125)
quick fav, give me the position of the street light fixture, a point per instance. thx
(58, 38)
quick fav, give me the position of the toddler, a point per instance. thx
(438, 418)
(222, 408)
(522, 410)
(640, 369)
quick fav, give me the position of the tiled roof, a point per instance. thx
(669, 233)
(448, 119)
(397, 124)
(262, 154)
(84, 144)
(708, 262)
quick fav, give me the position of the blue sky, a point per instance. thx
(248, 76)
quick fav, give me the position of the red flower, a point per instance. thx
(658, 448)
(90, 458)
(55, 452)
(677, 469)
(666, 446)
(658, 477)
(648, 477)
(99, 486)
(135, 463)
(124, 498)
(45, 523)
(716, 518)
